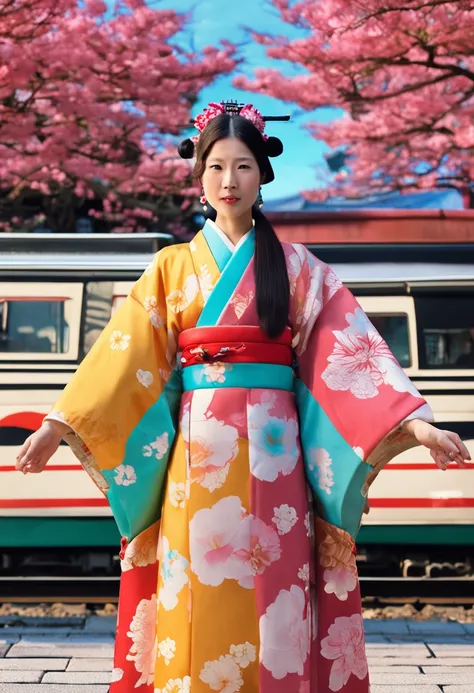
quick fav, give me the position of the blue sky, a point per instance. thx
(213, 20)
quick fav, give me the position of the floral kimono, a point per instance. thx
(237, 468)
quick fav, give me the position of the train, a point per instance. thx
(58, 292)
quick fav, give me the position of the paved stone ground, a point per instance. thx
(74, 655)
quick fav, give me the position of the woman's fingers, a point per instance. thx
(441, 459)
(461, 446)
(20, 458)
(446, 444)
(34, 466)
(449, 448)
(447, 440)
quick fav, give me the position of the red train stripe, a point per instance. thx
(391, 466)
(31, 420)
(421, 502)
(53, 502)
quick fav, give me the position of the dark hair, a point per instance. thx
(271, 275)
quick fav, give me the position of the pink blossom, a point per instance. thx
(69, 98)
(285, 634)
(345, 645)
(394, 70)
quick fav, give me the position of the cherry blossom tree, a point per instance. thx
(91, 101)
(403, 73)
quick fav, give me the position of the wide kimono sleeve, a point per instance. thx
(122, 403)
(352, 395)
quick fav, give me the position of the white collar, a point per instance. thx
(225, 239)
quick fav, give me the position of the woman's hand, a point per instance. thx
(444, 446)
(38, 448)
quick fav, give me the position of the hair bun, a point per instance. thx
(274, 146)
(186, 149)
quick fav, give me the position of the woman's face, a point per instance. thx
(231, 179)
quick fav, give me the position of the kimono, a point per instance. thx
(237, 468)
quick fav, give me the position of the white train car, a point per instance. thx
(56, 295)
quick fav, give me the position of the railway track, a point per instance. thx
(385, 590)
(421, 590)
(70, 589)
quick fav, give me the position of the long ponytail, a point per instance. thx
(271, 278)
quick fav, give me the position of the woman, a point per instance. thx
(235, 411)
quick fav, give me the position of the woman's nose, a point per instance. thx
(228, 180)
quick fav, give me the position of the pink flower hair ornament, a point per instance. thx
(273, 145)
(215, 109)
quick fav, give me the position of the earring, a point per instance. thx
(203, 201)
(260, 198)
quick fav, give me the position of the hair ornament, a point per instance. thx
(233, 108)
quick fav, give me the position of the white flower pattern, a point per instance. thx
(158, 447)
(177, 493)
(125, 475)
(119, 341)
(167, 650)
(243, 654)
(320, 462)
(361, 361)
(222, 675)
(285, 518)
(142, 633)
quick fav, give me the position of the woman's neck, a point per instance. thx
(235, 227)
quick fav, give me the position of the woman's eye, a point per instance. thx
(244, 166)
(214, 166)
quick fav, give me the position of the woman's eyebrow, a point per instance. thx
(240, 158)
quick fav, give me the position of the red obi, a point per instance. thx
(234, 344)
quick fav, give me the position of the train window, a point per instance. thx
(98, 306)
(394, 330)
(33, 325)
(446, 331)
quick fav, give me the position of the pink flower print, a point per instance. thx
(215, 533)
(222, 675)
(212, 450)
(241, 303)
(143, 635)
(345, 645)
(339, 581)
(285, 634)
(273, 443)
(333, 283)
(294, 265)
(361, 361)
(262, 548)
